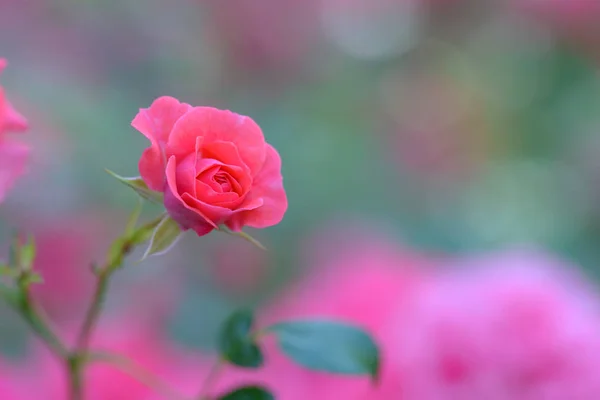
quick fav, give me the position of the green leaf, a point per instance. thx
(138, 184)
(164, 237)
(144, 233)
(115, 253)
(6, 270)
(328, 346)
(248, 393)
(32, 277)
(244, 236)
(27, 254)
(236, 343)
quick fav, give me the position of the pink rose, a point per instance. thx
(213, 166)
(13, 155)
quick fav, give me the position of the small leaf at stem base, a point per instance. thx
(244, 236)
(164, 237)
(138, 184)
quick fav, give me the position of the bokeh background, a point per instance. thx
(447, 127)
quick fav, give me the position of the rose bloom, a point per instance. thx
(519, 325)
(13, 155)
(213, 166)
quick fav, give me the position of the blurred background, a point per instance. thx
(445, 126)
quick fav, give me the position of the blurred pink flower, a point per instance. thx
(66, 249)
(513, 326)
(565, 10)
(238, 267)
(364, 286)
(269, 35)
(13, 155)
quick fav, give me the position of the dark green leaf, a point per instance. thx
(328, 346)
(138, 184)
(248, 393)
(164, 237)
(236, 343)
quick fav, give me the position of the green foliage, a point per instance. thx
(328, 346)
(248, 393)
(138, 184)
(164, 236)
(236, 343)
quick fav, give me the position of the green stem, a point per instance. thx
(120, 248)
(75, 378)
(137, 371)
(38, 324)
(23, 303)
(211, 379)
(95, 308)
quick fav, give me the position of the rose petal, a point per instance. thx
(186, 175)
(226, 152)
(10, 119)
(208, 195)
(215, 125)
(186, 216)
(240, 183)
(216, 214)
(267, 187)
(158, 120)
(13, 158)
(156, 123)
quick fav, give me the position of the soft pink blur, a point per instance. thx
(13, 155)
(516, 325)
(238, 267)
(66, 249)
(510, 326)
(42, 376)
(364, 286)
(269, 36)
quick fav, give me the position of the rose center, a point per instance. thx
(222, 179)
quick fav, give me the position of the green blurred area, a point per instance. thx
(460, 127)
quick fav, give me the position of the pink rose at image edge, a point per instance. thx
(13, 155)
(518, 325)
(213, 166)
